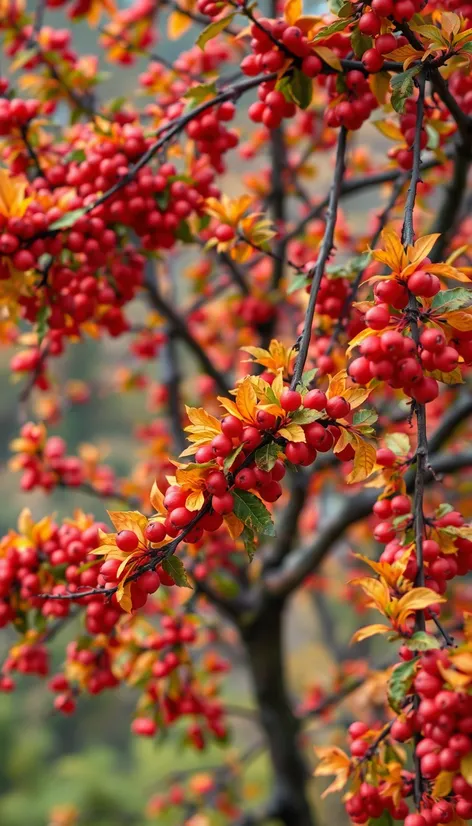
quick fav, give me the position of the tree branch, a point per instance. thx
(316, 274)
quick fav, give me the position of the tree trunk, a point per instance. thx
(263, 641)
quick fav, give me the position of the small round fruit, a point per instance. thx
(127, 541)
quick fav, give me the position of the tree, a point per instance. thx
(357, 378)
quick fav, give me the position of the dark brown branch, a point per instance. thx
(180, 329)
(316, 274)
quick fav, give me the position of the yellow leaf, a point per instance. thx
(442, 784)
(293, 9)
(395, 254)
(364, 461)
(234, 525)
(460, 319)
(466, 768)
(403, 53)
(370, 631)
(129, 521)
(446, 271)
(360, 337)
(329, 57)
(389, 129)
(246, 400)
(463, 661)
(202, 422)
(357, 395)
(230, 407)
(333, 761)
(346, 438)
(375, 589)
(177, 24)
(337, 384)
(195, 500)
(278, 384)
(293, 432)
(453, 377)
(416, 600)
(379, 86)
(123, 597)
(141, 667)
(455, 679)
(422, 247)
(156, 497)
(13, 203)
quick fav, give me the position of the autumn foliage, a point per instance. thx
(318, 357)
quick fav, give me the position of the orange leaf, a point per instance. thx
(156, 497)
(370, 631)
(177, 24)
(442, 784)
(195, 500)
(123, 597)
(365, 458)
(246, 400)
(234, 525)
(460, 319)
(129, 521)
(293, 9)
(329, 57)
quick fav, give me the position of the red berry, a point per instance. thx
(232, 427)
(315, 400)
(386, 457)
(223, 504)
(143, 726)
(127, 541)
(180, 517)
(155, 532)
(337, 407)
(290, 400)
(216, 483)
(378, 317)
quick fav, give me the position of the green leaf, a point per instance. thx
(183, 233)
(433, 137)
(226, 585)
(297, 282)
(448, 300)
(267, 456)
(400, 682)
(467, 47)
(253, 513)
(385, 819)
(402, 86)
(421, 641)
(346, 10)
(337, 26)
(174, 567)
(360, 42)
(23, 57)
(306, 416)
(232, 456)
(197, 94)
(78, 155)
(42, 322)
(213, 30)
(442, 510)
(248, 537)
(68, 219)
(301, 88)
(365, 416)
(162, 200)
(307, 378)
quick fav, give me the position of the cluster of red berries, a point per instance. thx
(444, 721)
(16, 113)
(440, 567)
(394, 357)
(46, 465)
(272, 106)
(210, 134)
(357, 103)
(371, 801)
(254, 310)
